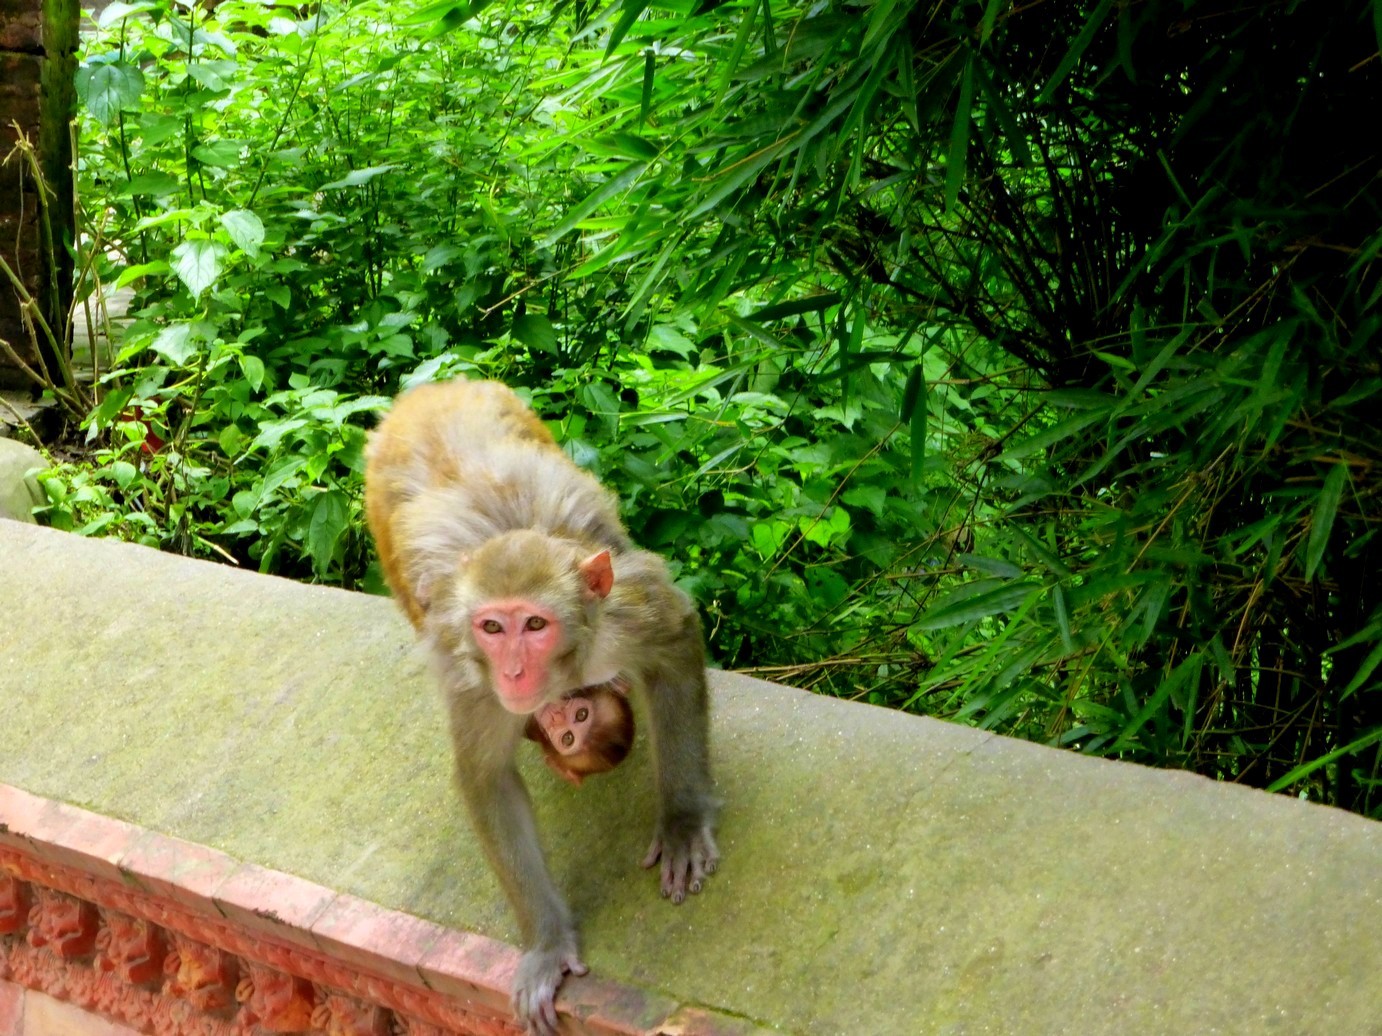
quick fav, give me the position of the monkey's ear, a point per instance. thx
(598, 573)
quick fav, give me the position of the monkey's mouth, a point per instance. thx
(521, 704)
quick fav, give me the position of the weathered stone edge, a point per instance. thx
(84, 897)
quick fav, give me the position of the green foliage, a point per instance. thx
(1014, 365)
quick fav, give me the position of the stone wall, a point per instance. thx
(882, 873)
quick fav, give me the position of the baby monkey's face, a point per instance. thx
(567, 723)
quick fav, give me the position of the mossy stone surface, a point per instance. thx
(881, 874)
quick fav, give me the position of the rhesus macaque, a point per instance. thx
(514, 568)
(589, 731)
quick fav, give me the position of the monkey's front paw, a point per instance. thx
(540, 972)
(688, 857)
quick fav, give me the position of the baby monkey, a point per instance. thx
(589, 731)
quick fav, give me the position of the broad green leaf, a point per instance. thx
(150, 185)
(245, 229)
(216, 76)
(666, 338)
(133, 273)
(536, 332)
(360, 177)
(124, 473)
(433, 13)
(253, 369)
(174, 343)
(118, 11)
(231, 440)
(870, 498)
(196, 265)
(110, 89)
(271, 433)
(768, 538)
(440, 255)
(243, 527)
(281, 473)
(328, 521)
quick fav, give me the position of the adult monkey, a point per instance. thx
(514, 568)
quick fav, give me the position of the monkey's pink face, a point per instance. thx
(567, 723)
(520, 640)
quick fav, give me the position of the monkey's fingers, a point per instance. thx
(652, 855)
(540, 972)
(686, 862)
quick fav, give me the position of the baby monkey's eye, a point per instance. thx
(581, 715)
(568, 739)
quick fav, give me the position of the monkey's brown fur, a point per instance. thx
(471, 502)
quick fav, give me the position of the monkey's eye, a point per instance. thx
(491, 626)
(568, 739)
(535, 622)
(582, 714)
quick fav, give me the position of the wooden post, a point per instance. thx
(38, 43)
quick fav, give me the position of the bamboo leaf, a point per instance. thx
(1051, 436)
(1305, 769)
(632, 9)
(990, 18)
(646, 101)
(1076, 51)
(1365, 671)
(914, 413)
(1187, 671)
(964, 605)
(593, 201)
(741, 39)
(1322, 521)
(795, 307)
(1062, 610)
(957, 155)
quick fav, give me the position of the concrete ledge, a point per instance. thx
(165, 935)
(275, 753)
